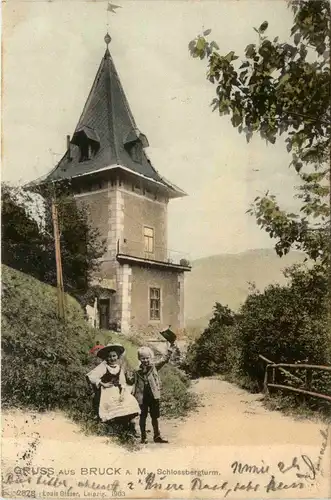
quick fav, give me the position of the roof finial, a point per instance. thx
(107, 39)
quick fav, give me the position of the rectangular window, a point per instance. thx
(148, 240)
(154, 303)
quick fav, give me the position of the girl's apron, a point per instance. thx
(111, 406)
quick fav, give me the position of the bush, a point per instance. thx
(27, 237)
(45, 361)
(217, 349)
(286, 324)
(175, 399)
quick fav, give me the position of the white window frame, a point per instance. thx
(150, 298)
(150, 239)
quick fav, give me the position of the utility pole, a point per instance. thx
(59, 274)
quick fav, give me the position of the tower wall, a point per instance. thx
(140, 211)
(144, 278)
(105, 213)
(120, 214)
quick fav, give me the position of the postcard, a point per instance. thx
(166, 249)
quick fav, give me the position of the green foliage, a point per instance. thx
(176, 400)
(22, 242)
(299, 406)
(29, 245)
(292, 230)
(45, 361)
(81, 244)
(286, 324)
(211, 352)
(284, 88)
(281, 88)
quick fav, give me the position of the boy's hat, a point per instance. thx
(169, 335)
(104, 352)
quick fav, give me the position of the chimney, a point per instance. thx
(68, 148)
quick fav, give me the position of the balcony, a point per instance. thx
(133, 251)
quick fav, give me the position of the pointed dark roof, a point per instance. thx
(107, 122)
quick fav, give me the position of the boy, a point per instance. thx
(147, 391)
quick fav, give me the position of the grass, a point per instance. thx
(292, 405)
(45, 360)
(297, 407)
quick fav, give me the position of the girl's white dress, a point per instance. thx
(117, 400)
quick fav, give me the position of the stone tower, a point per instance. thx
(141, 282)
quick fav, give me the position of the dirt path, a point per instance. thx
(232, 416)
(226, 416)
(231, 425)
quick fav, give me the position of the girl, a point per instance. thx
(115, 398)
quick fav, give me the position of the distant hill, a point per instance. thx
(225, 278)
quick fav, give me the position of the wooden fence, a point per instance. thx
(308, 370)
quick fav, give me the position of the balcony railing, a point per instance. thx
(160, 254)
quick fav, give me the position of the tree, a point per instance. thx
(81, 247)
(29, 246)
(216, 349)
(284, 88)
(22, 240)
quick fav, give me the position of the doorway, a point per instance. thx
(104, 313)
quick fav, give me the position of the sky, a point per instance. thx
(51, 52)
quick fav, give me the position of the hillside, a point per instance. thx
(45, 359)
(225, 278)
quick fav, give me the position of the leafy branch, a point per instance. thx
(284, 88)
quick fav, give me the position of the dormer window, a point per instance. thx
(134, 143)
(88, 142)
(135, 151)
(85, 151)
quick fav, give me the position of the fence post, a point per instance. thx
(273, 375)
(309, 378)
(265, 383)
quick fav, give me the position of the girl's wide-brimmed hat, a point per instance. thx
(104, 352)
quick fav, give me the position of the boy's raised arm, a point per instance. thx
(158, 364)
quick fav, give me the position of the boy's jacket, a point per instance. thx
(153, 380)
